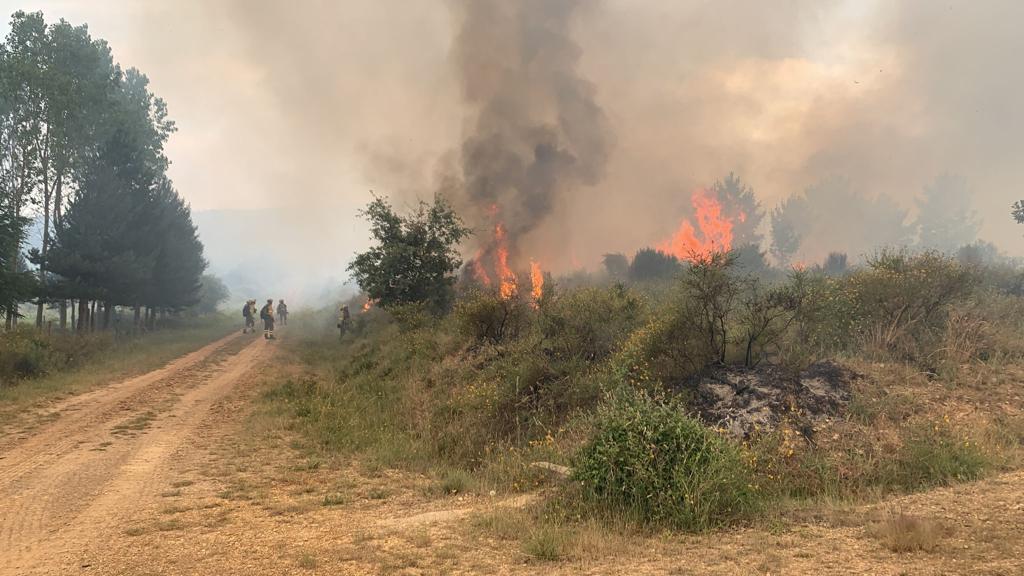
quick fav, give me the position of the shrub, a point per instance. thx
(688, 334)
(903, 300)
(650, 264)
(484, 316)
(27, 353)
(649, 460)
(590, 323)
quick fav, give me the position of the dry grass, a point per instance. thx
(901, 532)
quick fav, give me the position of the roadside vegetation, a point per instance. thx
(608, 377)
(35, 366)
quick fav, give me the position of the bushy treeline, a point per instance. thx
(82, 150)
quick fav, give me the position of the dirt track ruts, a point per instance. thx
(72, 483)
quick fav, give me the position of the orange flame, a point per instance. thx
(536, 281)
(509, 286)
(368, 304)
(715, 231)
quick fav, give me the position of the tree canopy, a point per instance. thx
(415, 256)
(82, 145)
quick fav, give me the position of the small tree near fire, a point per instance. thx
(415, 256)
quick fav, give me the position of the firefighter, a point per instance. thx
(344, 319)
(267, 315)
(282, 312)
(249, 313)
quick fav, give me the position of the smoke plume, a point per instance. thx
(535, 129)
(303, 108)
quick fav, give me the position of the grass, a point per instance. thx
(336, 499)
(546, 543)
(903, 533)
(454, 481)
(119, 360)
(307, 561)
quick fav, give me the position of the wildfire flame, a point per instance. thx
(490, 264)
(715, 230)
(368, 304)
(509, 285)
(536, 281)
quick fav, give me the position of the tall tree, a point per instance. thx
(58, 82)
(741, 207)
(127, 237)
(179, 263)
(833, 215)
(21, 55)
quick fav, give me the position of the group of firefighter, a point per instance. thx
(266, 313)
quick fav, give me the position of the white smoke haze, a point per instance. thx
(295, 111)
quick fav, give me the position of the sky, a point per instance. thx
(298, 111)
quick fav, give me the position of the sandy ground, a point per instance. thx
(166, 474)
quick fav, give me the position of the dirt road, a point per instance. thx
(70, 484)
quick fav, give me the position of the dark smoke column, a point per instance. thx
(537, 130)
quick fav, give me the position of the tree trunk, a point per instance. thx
(83, 314)
(137, 320)
(92, 317)
(47, 197)
(73, 325)
(107, 310)
(58, 218)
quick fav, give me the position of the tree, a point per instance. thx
(127, 237)
(750, 259)
(179, 263)
(1018, 211)
(59, 81)
(16, 284)
(742, 208)
(786, 219)
(945, 220)
(212, 293)
(650, 264)
(834, 215)
(836, 264)
(20, 126)
(617, 265)
(415, 256)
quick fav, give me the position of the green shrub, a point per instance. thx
(590, 323)
(651, 461)
(484, 316)
(651, 264)
(27, 353)
(903, 299)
